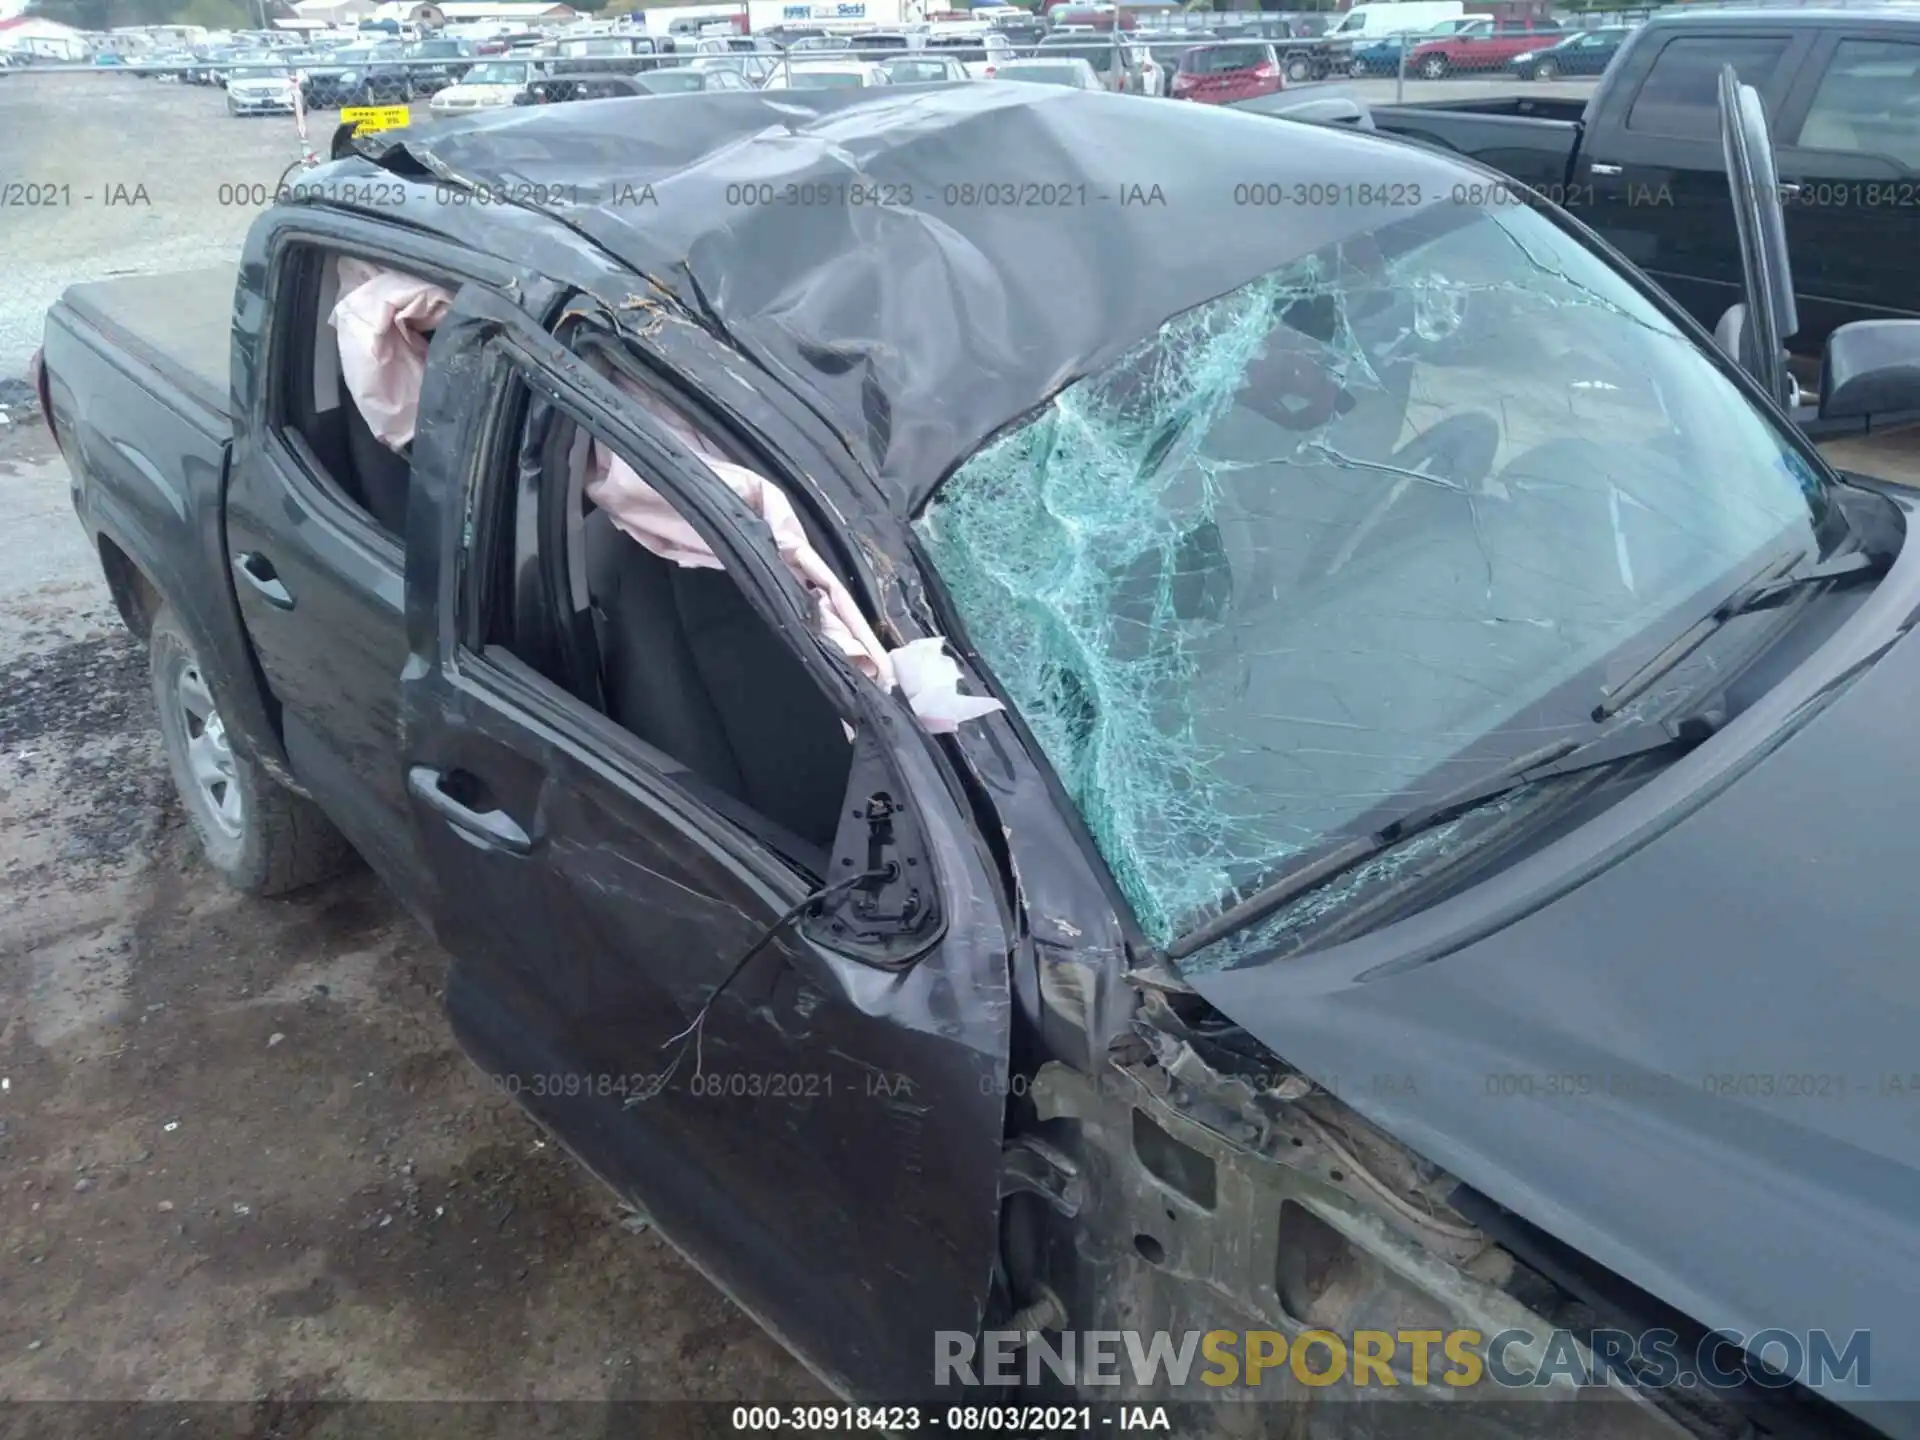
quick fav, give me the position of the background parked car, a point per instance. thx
(827, 75)
(1484, 45)
(921, 68)
(1117, 65)
(595, 85)
(1230, 70)
(1022, 32)
(488, 84)
(263, 89)
(360, 75)
(867, 42)
(504, 44)
(452, 58)
(167, 64)
(980, 50)
(1068, 70)
(1167, 50)
(1382, 56)
(606, 54)
(1587, 53)
(754, 70)
(206, 58)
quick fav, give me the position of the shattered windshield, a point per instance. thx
(1351, 536)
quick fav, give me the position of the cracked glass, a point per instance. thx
(1344, 539)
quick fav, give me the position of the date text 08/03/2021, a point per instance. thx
(1026, 1420)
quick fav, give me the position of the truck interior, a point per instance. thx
(672, 652)
(317, 408)
(666, 645)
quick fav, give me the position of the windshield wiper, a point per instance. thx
(1549, 762)
(1766, 588)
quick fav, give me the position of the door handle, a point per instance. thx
(1604, 170)
(257, 570)
(493, 829)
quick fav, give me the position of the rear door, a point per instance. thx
(1650, 164)
(1849, 163)
(320, 580)
(824, 1144)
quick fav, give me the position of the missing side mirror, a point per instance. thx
(891, 919)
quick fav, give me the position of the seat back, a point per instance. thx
(653, 684)
(692, 669)
(382, 473)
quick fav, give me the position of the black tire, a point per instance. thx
(1435, 67)
(1299, 69)
(1545, 70)
(266, 842)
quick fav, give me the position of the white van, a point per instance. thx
(1368, 21)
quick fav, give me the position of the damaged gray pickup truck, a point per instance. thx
(1329, 775)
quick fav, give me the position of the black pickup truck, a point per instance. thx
(1402, 832)
(1640, 161)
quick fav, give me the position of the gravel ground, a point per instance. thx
(241, 1159)
(142, 162)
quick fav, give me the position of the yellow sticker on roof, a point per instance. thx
(366, 119)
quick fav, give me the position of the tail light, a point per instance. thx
(1266, 70)
(1182, 83)
(987, 74)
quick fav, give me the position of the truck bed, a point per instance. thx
(1510, 107)
(179, 324)
(1519, 136)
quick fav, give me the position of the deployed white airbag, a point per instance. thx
(384, 320)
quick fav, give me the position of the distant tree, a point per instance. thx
(108, 14)
(81, 14)
(218, 14)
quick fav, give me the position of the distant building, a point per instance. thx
(43, 39)
(436, 13)
(333, 12)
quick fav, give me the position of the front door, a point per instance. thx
(821, 1138)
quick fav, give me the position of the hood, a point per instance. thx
(276, 86)
(1681, 1039)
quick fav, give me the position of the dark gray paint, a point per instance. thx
(1751, 911)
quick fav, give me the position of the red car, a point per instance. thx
(1484, 45)
(1237, 70)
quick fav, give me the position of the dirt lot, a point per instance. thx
(240, 1157)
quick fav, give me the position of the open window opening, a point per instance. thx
(354, 340)
(656, 635)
